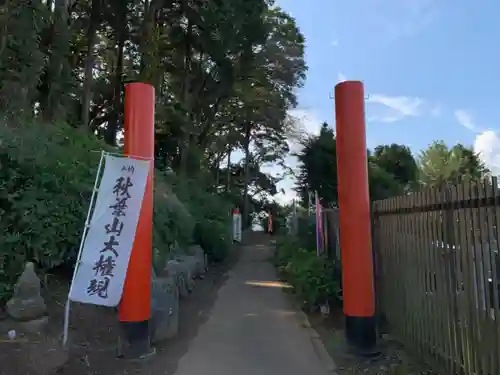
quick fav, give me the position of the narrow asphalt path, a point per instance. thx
(253, 329)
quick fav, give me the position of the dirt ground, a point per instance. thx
(94, 335)
(393, 360)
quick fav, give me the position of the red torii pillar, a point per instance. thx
(355, 222)
(135, 307)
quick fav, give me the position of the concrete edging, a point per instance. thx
(318, 345)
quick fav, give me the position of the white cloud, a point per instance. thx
(335, 43)
(465, 119)
(384, 118)
(341, 77)
(395, 107)
(407, 106)
(487, 144)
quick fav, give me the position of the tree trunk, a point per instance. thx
(52, 98)
(150, 68)
(4, 31)
(89, 61)
(217, 174)
(185, 139)
(229, 171)
(113, 124)
(246, 182)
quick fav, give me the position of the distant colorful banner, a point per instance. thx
(319, 224)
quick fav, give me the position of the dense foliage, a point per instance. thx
(225, 76)
(392, 169)
(440, 165)
(316, 280)
(46, 181)
(318, 170)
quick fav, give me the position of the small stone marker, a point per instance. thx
(194, 266)
(200, 256)
(184, 277)
(164, 323)
(27, 303)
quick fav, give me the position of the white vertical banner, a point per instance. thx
(236, 225)
(103, 261)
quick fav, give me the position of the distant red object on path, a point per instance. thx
(270, 224)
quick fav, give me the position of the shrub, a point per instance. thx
(313, 278)
(46, 180)
(306, 231)
(172, 225)
(47, 173)
(210, 235)
(211, 213)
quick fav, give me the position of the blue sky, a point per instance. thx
(431, 69)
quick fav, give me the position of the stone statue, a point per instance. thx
(27, 303)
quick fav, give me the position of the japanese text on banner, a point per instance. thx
(101, 272)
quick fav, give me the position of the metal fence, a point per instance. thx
(438, 274)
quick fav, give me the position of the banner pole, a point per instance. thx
(318, 226)
(82, 242)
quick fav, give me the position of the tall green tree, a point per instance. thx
(269, 91)
(21, 55)
(318, 170)
(225, 75)
(383, 184)
(398, 161)
(318, 166)
(440, 165)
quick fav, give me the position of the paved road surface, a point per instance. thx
(252, 329)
